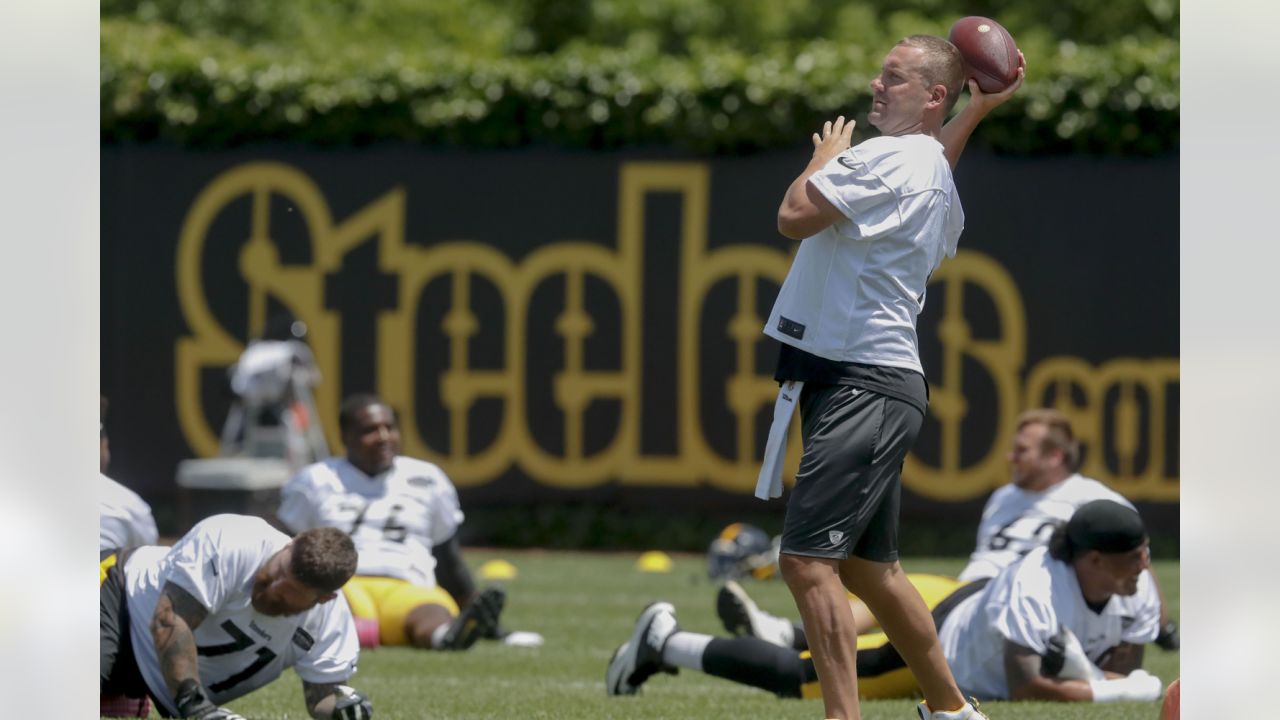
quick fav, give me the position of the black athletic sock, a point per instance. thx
(878, 661)
(757, 663)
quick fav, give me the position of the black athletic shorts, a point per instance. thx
(848, 490)
(118, 670)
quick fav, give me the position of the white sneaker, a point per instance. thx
(970, 711)
(637, 659)
(741, 616)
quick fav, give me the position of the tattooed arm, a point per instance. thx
(177, 615)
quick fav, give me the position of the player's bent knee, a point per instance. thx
(408, 614)
(421, 623)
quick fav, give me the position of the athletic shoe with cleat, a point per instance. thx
(741, 616)
(970, 711)
(477, 620)
(637, 659)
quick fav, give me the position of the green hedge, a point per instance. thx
(601, 74)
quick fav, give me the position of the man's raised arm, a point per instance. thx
(955, 134)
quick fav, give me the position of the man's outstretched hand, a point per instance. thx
(836, 137)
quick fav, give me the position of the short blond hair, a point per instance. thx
(941, 65)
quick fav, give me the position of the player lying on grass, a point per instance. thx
(1066, 622)
(224, 612)
(1044, 490)
(412, 586)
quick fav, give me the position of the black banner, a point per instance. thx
(559, 326)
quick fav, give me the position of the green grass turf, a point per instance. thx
(585, 605)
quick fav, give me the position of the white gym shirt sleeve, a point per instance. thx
(124, 518)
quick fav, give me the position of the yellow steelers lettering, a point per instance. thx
(1120, 407)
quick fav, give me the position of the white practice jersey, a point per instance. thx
(1017, 521)
(394, 518)
(124, 519)
(1025, 604)
(239, 649)
(855, 289)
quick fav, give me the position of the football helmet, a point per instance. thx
(740, 550)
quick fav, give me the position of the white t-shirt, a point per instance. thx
(1025, 604)
(395, 518)
(124, 519)
(1017, 521)
(855, 289)
(240, 649)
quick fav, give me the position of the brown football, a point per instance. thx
(989, 52)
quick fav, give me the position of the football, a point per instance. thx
(990, 55)
(1169, 710)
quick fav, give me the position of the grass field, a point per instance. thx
(585, 605)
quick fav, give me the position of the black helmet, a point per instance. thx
(742, 549)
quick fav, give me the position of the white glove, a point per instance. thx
(351, 705)
(1140, 686)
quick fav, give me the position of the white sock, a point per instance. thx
(684, 650)
(965, 711)
(774, 629)
(437, 635)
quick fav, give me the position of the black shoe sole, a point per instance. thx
(731, 613)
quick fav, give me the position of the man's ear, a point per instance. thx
(1094, 559)
(938, 95)
(1062, 456)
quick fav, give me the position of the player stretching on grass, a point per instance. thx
(403, 515)
(1066, 622)
(224, 612)
(1043, 491)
